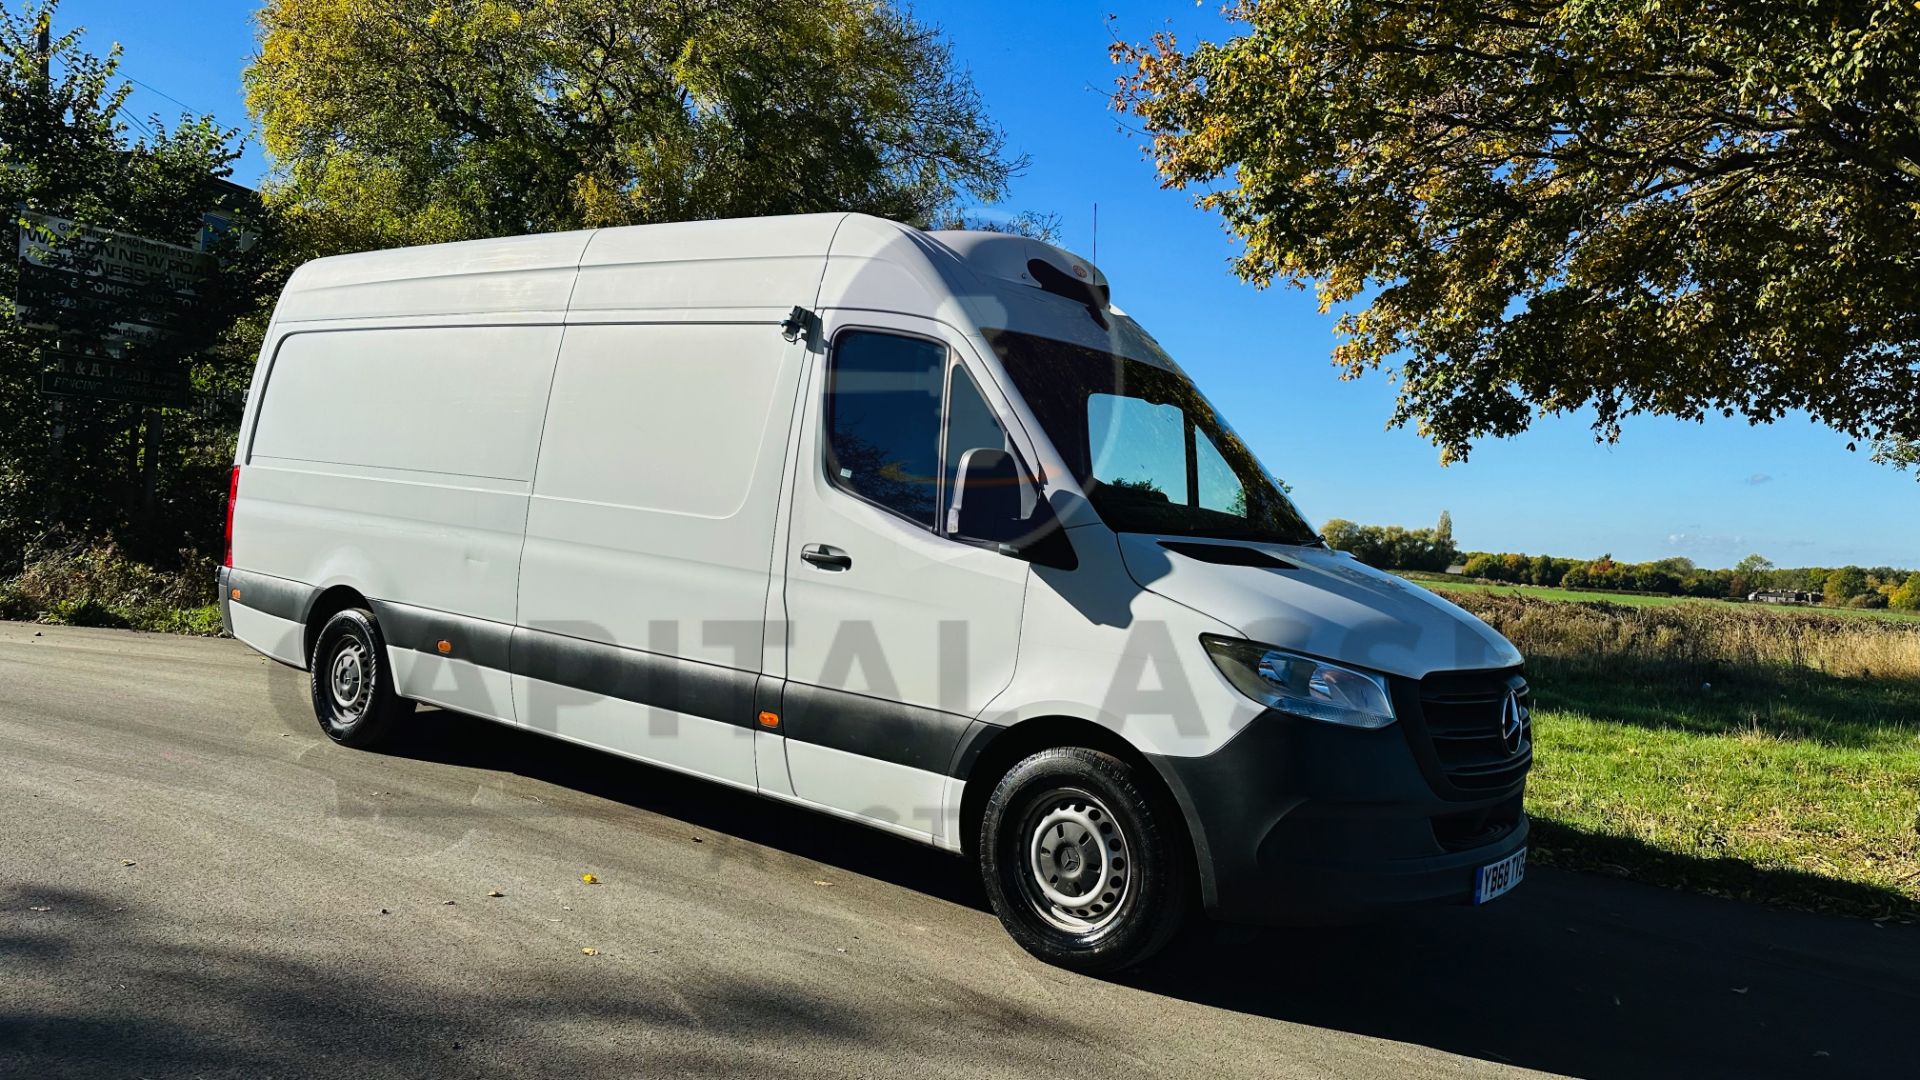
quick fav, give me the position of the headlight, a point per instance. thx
(1302, 685)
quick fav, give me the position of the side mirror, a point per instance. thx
(986, 506)
(986, 497)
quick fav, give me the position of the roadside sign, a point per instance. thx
(52, 242)
(109, 287)
(103, 378)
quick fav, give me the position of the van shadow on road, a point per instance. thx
(1573, 973)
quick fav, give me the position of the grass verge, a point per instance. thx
(99, 586)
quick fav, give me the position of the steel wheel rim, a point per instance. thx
(1078, 868)
(350, 678)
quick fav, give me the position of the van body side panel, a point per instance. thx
(665, 737)
(460, 685)
(647, 705)
(651, 520)
(454, 401)
(650, 529)
(660, 736)
(397, 462)
(1097, 646)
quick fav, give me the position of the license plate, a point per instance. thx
(1495, 879)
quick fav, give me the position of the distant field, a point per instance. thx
(1448, 582)
(1740, 749)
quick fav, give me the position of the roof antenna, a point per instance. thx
(1094, 256)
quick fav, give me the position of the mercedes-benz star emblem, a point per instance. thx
(1513, 722)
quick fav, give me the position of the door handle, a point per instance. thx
(826, 558)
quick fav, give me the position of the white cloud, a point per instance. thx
(1691, 543)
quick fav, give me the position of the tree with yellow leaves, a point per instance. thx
(419, 121)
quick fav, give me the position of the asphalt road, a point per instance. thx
(194, 882)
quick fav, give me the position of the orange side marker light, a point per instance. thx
(445, 646)
(769, 719)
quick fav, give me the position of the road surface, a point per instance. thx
(194, 882)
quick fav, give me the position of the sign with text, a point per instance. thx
(103, 378)
(107, 287)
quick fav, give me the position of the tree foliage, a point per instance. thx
(419, 121)
(1897, 452)
(1844, 584)
(1906, 597)
(1390, 547)
(1541, 205)
(76, 468)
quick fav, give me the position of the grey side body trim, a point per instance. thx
(890, 731)
(279, 597)
(665, 682)
(476, 641)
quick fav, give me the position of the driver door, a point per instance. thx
(898, 635)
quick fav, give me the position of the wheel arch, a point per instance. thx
(325, 605)
(994, 750)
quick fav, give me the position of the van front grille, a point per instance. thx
(1469, 717)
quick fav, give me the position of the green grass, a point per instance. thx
(1778, 791)
(1448, 583)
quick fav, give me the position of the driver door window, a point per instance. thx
(885, 405)
(883, 421)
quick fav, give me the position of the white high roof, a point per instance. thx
(739, 266)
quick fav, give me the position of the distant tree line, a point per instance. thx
(1390, 547)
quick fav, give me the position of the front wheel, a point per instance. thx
(353, 695)
(1083, 862)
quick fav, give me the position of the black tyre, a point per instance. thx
(1084, 861)
(352, 689)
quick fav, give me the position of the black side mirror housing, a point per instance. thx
(986, 506)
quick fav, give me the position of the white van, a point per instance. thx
(913, 528)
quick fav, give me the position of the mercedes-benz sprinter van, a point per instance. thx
(913, 528)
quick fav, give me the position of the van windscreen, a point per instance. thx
(1152, 455)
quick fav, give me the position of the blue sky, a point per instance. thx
(1712, 491)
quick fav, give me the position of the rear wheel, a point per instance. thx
(1081, 860)
(352, 689)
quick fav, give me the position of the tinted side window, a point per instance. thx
(883, 420)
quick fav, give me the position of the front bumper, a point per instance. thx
(1297, 820)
